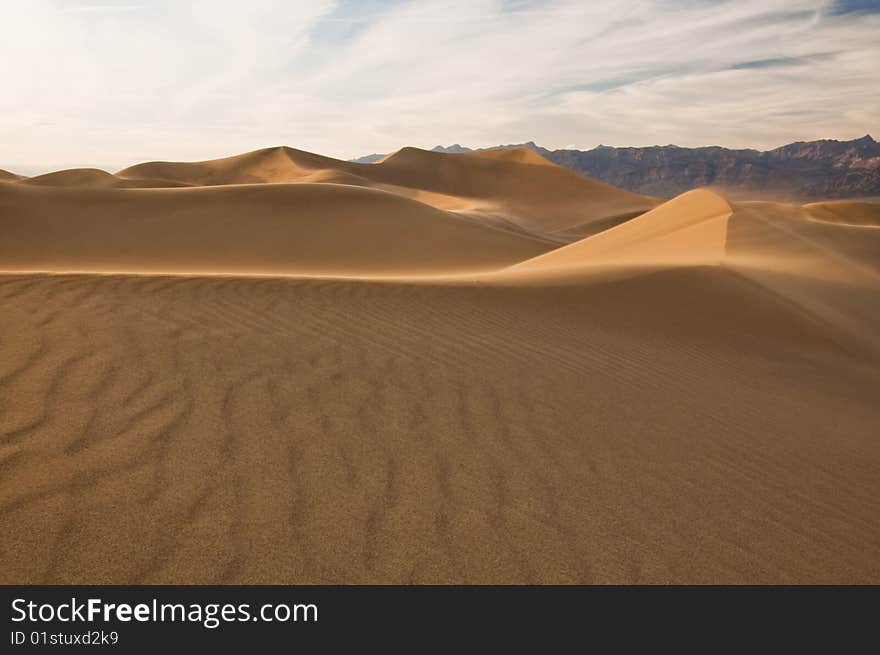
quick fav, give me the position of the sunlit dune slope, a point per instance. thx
(422, 395)
(689, 228)
(830, 271)
(517, 186)
(518, 183)
(6, 176)
(515, 190)
(701, 227)
(310, 229)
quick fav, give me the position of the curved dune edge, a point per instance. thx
(828, 272)
(701, 227)
(351, 386)
(518, 185)
(691, 228)
(327, 229)
(281, 229)
(95, 178)
(335, 224)
(859, 214)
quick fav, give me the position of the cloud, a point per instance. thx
(107, 83)
(768, 63)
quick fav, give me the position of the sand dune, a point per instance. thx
(686, 396)
(94, 178)
(542, 197)
(521, 155)
(307, 229)
(691, 228)
(517, 186)
(270, 165)
(6, 176)
(679, 426)
(701, 227)
(513, 189)
(516, 191)
(846, 213)
(77, 177)
(830, 271)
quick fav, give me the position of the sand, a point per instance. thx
(515, 189)
(300, 381)
(846, 212)
(313, 229)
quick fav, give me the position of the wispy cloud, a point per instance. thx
(104, 83)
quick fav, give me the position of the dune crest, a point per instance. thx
(691, 228)
(510, 189)
(269, 165)
(827, 268)
(521, 155)
(95, 178)
(76, 177)
(519, 184)
(280, 229)
(287, 369)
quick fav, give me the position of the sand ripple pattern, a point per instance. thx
(161, 429)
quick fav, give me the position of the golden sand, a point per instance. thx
(282, 368)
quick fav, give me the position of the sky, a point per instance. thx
(108, 83)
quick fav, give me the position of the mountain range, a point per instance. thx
(811, 169)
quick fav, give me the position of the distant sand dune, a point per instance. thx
(270, 165)
(847, 212)
(95, 178)
(317, 229)
(538, 195)
(692, 227)
(299, 370)
(519, 184)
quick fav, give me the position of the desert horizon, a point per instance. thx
(283, 368)
(438, 317)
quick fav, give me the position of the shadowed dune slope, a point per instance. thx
(830, 271)
(537, 194)
(516, 190)
(6, 176)
(314, 229)
(847, 213)
(94, 178)
(269, 165)
(516, 185)
(788, 236)
(687, 397)
(700, 227)
(76, 177)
